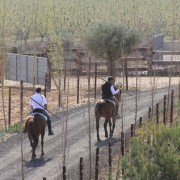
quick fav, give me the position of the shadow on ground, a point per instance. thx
(38, 162)
(105, 142)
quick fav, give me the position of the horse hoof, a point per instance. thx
(42, 154)
(106, 136)
(98, 139)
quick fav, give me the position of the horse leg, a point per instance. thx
(114, 121)
(110, 128)
(42, 142)
(105, 128)
(32, 146)
(97, 129)
(33, 150)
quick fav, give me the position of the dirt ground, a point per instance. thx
(77, 144)
(143, 83)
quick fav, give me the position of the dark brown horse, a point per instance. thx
(35, 126)
(107, 109)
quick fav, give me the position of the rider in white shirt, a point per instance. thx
(39, 104)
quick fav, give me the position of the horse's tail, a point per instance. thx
(32, 132)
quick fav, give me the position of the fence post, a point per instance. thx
(9, 107)
(164, 113)
(21, 100)
(97, 164)
(45, 85)
(110, 157)
(140, 121)
(64, 172)
(172, 105)
(149, 62)
(95, 81)
(122, 144)
(122, 147)
(179, 90)
(65, 75)
(157, 113)
(59, 93)
(81, 168)
(34, 81)
(132, 130)
(149, 113)
(77, 85)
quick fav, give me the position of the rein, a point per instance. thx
(43, 108)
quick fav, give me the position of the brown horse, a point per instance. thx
(107, 109)
(35, 126)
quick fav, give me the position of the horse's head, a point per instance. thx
(118, 96)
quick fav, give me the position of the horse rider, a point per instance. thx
(39, 104)
(108, 92)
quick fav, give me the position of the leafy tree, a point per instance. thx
(111, 41)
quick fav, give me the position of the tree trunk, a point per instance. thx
(110, 66)
(126, 73)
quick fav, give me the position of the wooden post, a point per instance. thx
(122, 144)
(172, 105)
(157, 113)
(149, 113)
(81, 168)
(126, 73)
(110, 157)
(65, 75)
(34, 82)
(9, 107)
(77, 85)
(140, 121)
(64, 172)
(132, 130)
(95, 81)
(45, 85)
(59, 93)
(97, 164)
(164, 113)
(179, 90)
(21, 100)
(149, 62)
(122, 147)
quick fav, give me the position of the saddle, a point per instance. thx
(101, 101)
(33, 114)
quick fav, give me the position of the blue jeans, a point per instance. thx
(43, 111)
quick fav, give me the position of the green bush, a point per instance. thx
(15, 128)
(154, 154)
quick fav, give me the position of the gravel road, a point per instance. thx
(77, 144)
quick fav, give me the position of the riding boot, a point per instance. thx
(50, 132)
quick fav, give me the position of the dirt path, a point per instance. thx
(50, 166)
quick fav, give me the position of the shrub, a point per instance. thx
(159, 159)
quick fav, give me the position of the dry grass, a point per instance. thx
(144, 83)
